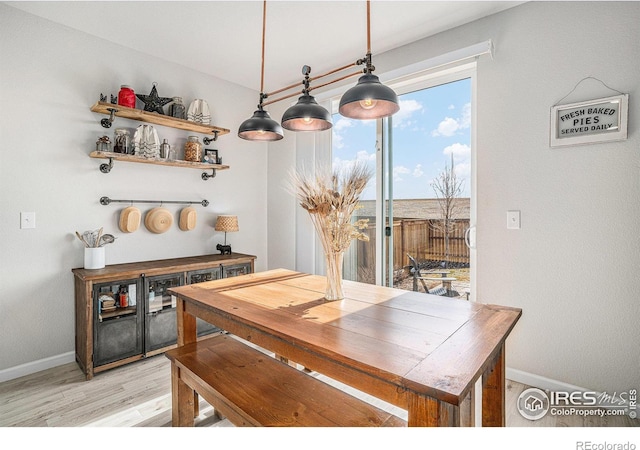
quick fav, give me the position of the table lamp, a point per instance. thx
(226, 224)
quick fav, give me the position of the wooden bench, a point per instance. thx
(250, 388)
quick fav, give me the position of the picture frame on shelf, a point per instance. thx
(211, 156)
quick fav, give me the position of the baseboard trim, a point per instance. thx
(541, 382)
(36, 366)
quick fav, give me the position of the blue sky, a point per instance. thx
(432, 125)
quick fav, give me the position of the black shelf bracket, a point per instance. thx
(106, 123)
(206, 176)
(106, 168)
(208, 140)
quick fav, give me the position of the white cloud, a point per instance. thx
(465, 119)
(398, 171)
(449, 126)
(459, 151)
(417, 171)
(463, 170)
(338, 141)
(341, 124)
(362, 155)
(461, 159)
(402, 118)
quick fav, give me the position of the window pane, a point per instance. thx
(355, 140)
(431, 187)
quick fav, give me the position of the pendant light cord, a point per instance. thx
(264, 26)
(367, 58)
(366, 61)
(368, 26)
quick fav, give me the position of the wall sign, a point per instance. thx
(600, 120)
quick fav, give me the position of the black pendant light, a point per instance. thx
(261, 127)
(368, 99)
(306, 114)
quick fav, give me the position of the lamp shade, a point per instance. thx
(306, 115)
(369, 99)
(260, 127)
(227, 223)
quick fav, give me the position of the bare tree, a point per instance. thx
(447, 188)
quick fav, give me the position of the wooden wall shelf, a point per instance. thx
(112, 156)
(157, 119)
(161, 162)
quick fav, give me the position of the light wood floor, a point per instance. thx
(139, 395)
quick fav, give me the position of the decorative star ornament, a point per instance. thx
(154, 103)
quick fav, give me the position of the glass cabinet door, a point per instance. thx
(117, 321)
(160, 314)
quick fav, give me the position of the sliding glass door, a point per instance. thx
(421, 204)
(430, 189)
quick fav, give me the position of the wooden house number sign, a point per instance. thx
(588, 122)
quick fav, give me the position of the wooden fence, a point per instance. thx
(422, 239)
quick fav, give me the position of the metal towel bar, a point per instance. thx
(106, 201)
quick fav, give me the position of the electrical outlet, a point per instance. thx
(27, 220)
(513, 220)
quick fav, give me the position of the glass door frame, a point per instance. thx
(384, 161)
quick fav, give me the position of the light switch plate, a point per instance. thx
(513, 220)
(27, 220)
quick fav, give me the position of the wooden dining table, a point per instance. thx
(420, 352)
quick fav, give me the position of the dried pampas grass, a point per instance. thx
(331, 197)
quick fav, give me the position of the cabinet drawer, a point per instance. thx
(117, 339)
(200, 276)
(234, 270)
(162, 330)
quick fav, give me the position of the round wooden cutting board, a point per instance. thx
(158, 220)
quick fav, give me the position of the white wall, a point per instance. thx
(281, 206)
(50, 76)
(573, 267)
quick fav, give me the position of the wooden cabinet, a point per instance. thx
(124, 312)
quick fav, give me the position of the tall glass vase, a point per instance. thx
(334, 276)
